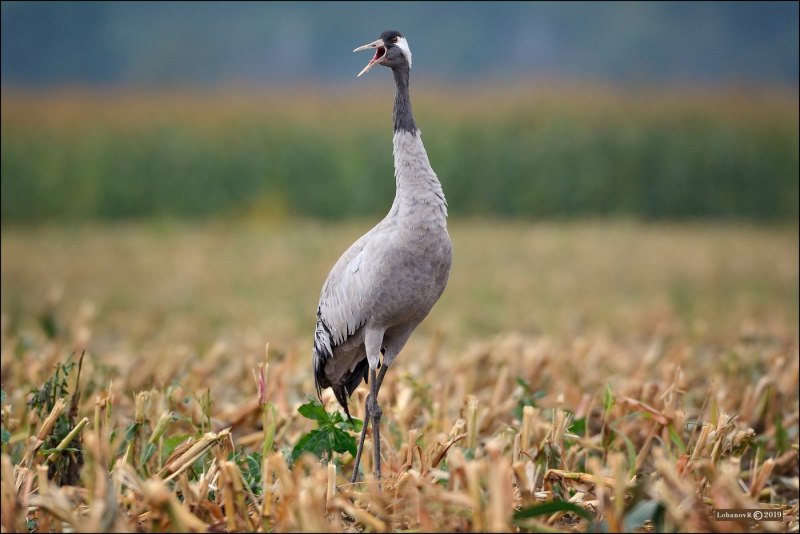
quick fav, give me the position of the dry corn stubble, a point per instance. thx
(476, 431)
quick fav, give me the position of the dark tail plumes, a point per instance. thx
(323, 351)
(349, 385)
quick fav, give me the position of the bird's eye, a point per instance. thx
(394, 40)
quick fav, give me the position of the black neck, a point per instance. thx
(403, 116)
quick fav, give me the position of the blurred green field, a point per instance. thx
(521, 151)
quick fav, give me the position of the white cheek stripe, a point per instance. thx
(402, 44)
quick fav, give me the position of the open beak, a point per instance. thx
(380, 51)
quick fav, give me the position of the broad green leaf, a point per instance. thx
(343, 441)
(336, 418)
(316, 442)
(314, 410)
(355, 425)
(330, 435)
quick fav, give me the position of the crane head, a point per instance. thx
(391, 50)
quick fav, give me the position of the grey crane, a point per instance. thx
(385, 284)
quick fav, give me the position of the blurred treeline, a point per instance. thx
(47, 44)
(561, 152)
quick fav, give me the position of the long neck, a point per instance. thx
(403, 116)
(417, 184)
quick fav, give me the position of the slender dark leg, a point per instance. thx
(371, 407)
(375, 412)
(354, 479)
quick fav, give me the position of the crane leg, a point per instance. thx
(354, 478)
(375, 412)
(370, 409)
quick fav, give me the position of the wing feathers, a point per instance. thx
(340, 314)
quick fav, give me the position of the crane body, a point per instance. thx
(387, 282)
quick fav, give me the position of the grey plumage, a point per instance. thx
(388, 280)
(385, 284)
